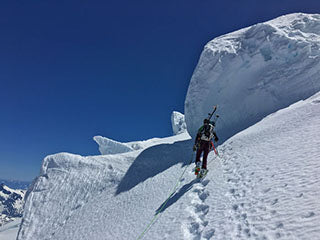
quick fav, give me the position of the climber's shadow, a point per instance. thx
(176, 196)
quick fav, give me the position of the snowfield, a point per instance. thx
(9, 231)
(265, 183)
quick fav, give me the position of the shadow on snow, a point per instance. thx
(176, 196)
(153, 161)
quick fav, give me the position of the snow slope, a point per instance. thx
(265, 185)
(255, 71)
(9, 231)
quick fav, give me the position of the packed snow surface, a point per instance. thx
(9, 231)
(255, 71)
(110, 146)
(264, 185)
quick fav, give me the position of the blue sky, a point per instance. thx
(70, 70)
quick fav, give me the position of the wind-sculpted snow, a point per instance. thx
(109, 146)
(255, 71)
(178, 123)
(67, 182)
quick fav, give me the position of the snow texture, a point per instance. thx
(265, 184)
(109, 146)
(255, 71)
(10, 230)
(178, 123)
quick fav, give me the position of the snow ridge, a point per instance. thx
(272, 191)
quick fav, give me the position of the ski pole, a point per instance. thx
(215, 151)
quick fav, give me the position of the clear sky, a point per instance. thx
(70, 70)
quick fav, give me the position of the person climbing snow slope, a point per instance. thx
(203, 143)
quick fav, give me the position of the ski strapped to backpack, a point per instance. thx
(211, 114)
(206, 131)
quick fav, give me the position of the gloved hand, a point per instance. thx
(194, 148)
(216, 139)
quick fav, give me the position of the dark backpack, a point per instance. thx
(206, 131)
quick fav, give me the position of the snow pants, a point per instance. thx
(204, 147)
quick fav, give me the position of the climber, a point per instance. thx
(203, 143)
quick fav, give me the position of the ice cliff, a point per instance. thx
(255, 71)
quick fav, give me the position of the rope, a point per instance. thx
(154, 219)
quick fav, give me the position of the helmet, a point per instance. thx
(206, 121)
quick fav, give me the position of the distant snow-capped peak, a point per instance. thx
(11, 203)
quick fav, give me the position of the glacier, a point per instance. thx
(264, 184)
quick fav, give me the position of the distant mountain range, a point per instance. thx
(11, 204)
(16, 184)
